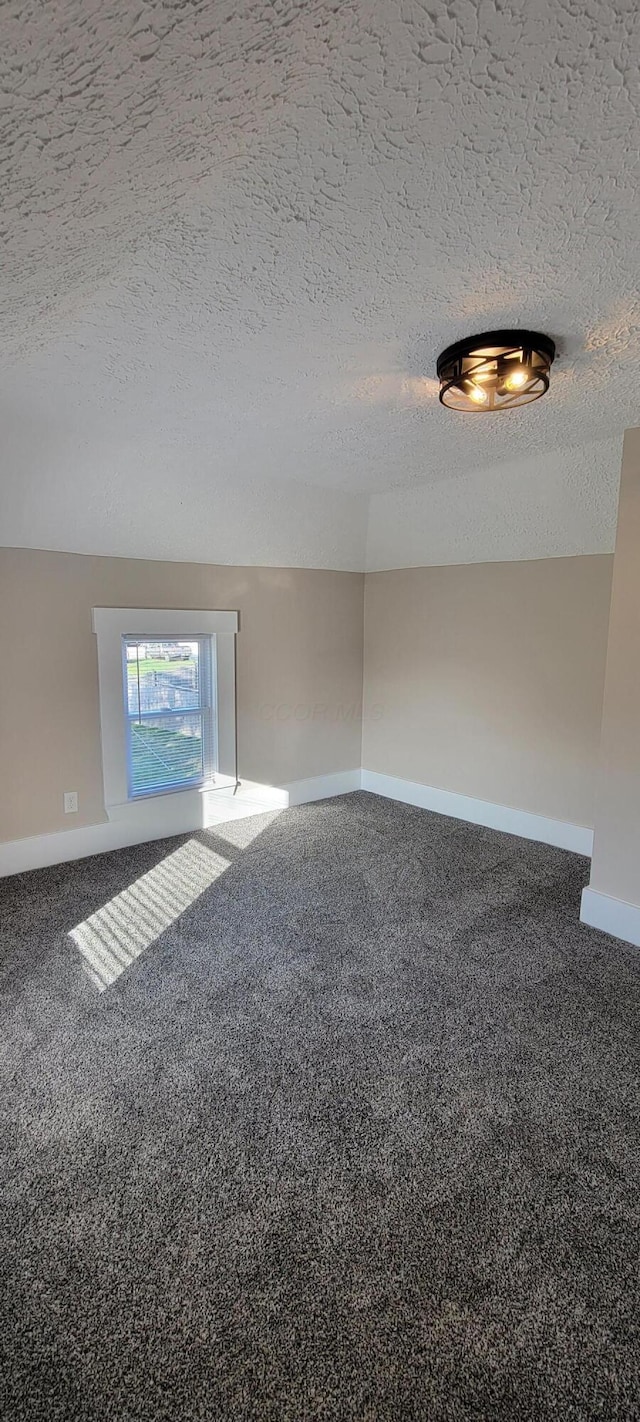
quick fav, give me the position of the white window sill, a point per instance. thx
(189, 794)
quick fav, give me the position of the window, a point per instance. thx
(169, 713)
(167, 708)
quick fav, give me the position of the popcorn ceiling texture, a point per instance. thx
(235, 237)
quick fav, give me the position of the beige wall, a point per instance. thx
(615, 868)
(487, 679)
(299, 672)
(484, 679)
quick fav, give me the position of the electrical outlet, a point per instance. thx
(70, 802)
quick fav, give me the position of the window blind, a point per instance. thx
(168, 712)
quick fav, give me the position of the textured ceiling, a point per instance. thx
(236, 235)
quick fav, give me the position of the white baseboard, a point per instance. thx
(300, 792)
(481, 812)
(322, 787)
(162, 817)
(272, 797)
(35, 853)
(614, 916)
(177, 814)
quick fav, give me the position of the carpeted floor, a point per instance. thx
(356, 1137)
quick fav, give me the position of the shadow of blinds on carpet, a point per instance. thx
(116, 934)
(113, 937)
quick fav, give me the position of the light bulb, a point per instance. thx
(517, 378)
(480, 396)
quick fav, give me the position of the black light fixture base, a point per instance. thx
(495, 370)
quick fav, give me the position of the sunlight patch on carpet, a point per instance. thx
(113, 937)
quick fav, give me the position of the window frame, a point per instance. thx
(112, 626)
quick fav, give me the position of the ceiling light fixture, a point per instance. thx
(495, 371)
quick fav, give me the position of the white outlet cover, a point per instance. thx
(70, 802)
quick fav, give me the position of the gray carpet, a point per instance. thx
(355, 1138)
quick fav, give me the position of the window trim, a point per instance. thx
(110, 625)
